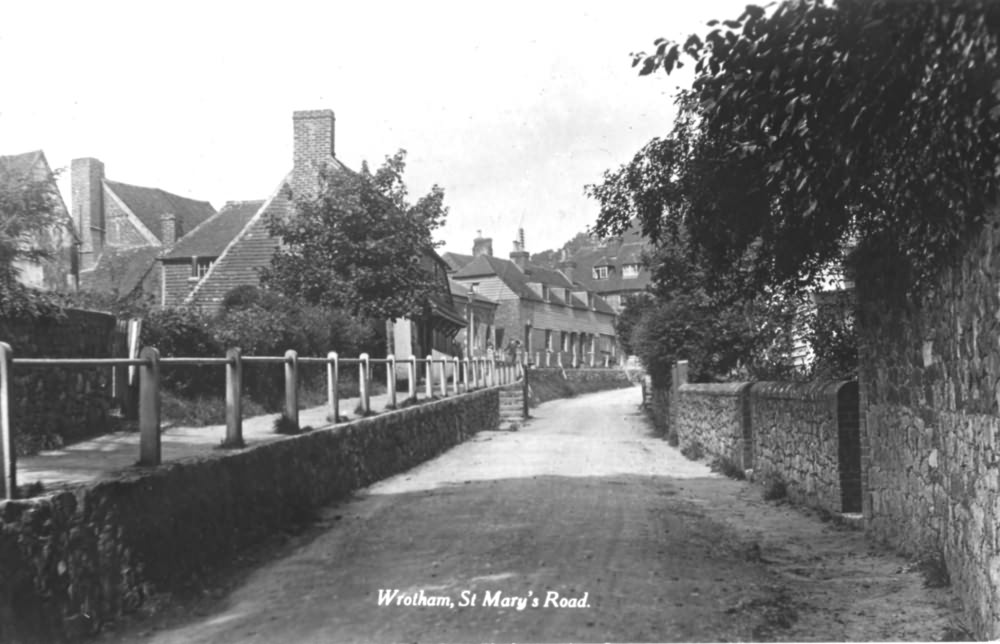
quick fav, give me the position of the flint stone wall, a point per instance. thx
(72, 560)
(930, 386)
(715, 416)
(807, 435)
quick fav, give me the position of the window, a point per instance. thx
(548, 340)
(199, 267)
(202, 267)
(474, 287)
(630, 270)
(600, 272)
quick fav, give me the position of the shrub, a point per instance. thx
(693, 451)
(728, 468)
(775, 488)
(185, 332)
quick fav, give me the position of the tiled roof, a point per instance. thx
(456, 261)
(120, 270)
(148, 204)
(249, 251)
(519, 281)
(615, 256)
(212, 236)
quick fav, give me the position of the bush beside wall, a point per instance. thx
(77, 558)
(551, 383)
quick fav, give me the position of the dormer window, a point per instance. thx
(630, 270)
(199, 267)
(474, 287)
(600, 272)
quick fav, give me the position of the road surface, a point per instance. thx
(583, 526)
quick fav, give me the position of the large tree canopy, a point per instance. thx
(360, 245)
(813, 124)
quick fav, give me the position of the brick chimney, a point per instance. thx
(566, 265)
(87, 179)
(313, 148)
(520, 256)
(168, 229)
(482, 245)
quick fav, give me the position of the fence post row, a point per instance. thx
(149, 407)
(234, 400)
(363, 379)
(8, 459)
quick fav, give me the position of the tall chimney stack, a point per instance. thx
(482, 245)
(520, 256)
(313, 148)
(87, 179)
(168, 230)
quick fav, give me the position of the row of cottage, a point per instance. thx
(134, 241)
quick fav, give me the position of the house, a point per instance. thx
(231, 249)
(613, 268)
(477, 339)
(550, 315)
(54, 272)
(123, 228)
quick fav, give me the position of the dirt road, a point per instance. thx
(583, 526)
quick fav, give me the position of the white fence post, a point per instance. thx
(465, 373)
(429, 371)
(455, 371)
(332, 382)
(363, 383)
(444, 379)
(149, 407)
(390, 378)
(234, 398)
(412, 376)
(8, 459)
(292, 387)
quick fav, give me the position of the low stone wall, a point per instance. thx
(807, 435)
(54, 404)
(72, 560)
(715, 417)
(547, 384)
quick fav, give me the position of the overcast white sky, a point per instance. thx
(511, 106)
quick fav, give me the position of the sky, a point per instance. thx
(511, 107)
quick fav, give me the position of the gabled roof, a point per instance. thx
(456, 261)
(613, 255)
(120, 269)
(519, 281)
(148, 204)
(211, 237)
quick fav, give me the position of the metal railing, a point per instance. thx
(467, 374)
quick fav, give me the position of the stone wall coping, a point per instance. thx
(715, 388)
(814, 390)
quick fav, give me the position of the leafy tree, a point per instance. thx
(360, 245)
(809, 124)
(30, 222)
(551, 257)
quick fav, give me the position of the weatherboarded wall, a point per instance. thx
(74, 559)
(930, 384)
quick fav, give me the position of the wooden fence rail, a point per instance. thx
(466, 375)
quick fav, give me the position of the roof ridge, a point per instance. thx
(158, 189)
